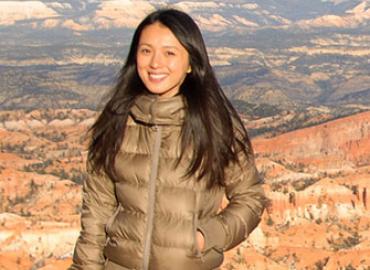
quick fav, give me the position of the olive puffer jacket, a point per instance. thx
(149, 217)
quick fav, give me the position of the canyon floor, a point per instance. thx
(317, 180)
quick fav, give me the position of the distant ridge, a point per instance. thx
(337, 143)
(292, 55)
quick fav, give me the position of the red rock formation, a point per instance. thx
(342, 142)
(317, 180)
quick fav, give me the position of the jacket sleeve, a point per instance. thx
(243, 212)
(98, 204)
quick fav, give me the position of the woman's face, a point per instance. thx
(162, 62)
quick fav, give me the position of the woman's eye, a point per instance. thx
(170, 53)
(145, 51)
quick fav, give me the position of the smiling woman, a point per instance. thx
(162, 62)
(165, 150)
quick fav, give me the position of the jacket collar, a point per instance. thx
(151, 109)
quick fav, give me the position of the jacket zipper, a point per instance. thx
(151, 197)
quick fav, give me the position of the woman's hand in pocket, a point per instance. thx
(200, 240)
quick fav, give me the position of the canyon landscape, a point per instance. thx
(296, 71)
(317, 218)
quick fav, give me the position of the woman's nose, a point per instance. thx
(156, 60)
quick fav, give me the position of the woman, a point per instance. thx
(166, 148)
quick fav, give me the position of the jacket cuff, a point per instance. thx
(214, 234)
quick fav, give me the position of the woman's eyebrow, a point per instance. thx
(145, 44)
(164, 46)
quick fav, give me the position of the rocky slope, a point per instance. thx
(289, 54)
(316, 178)
(336, 144)
(318, 181)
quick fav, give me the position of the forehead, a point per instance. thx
(158, 34)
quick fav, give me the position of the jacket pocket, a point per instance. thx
(196, 249)
(111, 219)
(210, 258)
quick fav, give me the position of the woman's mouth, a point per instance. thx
(157, 77)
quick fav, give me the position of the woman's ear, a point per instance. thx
(189, 70)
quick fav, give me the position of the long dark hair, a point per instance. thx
(211, 125)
